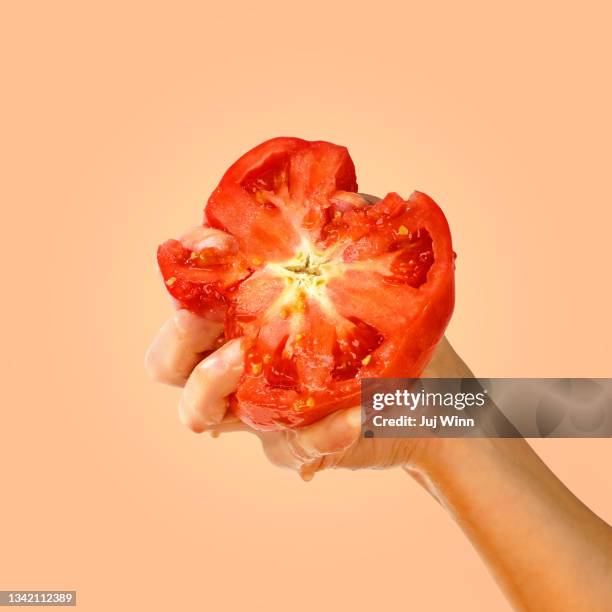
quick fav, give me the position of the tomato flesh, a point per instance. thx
(323, 287)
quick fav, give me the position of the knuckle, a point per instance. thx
(159, 372)
(300, 448)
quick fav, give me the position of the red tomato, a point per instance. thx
(325, 288)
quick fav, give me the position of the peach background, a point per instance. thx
(118, 119)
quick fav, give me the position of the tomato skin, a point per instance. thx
(324, 288)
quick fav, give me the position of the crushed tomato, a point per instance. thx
(324, 287)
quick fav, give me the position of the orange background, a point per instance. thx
(118, 120)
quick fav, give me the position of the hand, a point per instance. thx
(175, 357)
(498, 490)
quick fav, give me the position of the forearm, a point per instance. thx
(547, 550)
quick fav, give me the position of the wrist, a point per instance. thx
(444, 458)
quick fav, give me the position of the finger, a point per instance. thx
(333, 434)
(229, 424)
(202, 237)
(204, 400)
(274, 443)
(178, 346)
(278, 451)
(369, 198)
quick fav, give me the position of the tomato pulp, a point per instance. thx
(323, 287)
